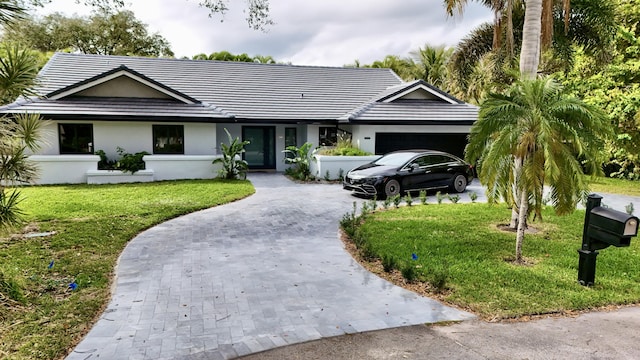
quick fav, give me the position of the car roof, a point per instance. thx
(419, 151)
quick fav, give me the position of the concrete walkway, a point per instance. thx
(260, 273)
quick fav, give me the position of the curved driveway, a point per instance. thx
(263, 272)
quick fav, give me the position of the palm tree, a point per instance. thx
(536, 135)
(430, 65)
(400, 66)
(18, 70)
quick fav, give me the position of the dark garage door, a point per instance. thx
(451, 143)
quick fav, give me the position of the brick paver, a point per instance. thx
(263, 272)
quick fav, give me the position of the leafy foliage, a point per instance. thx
(233, 167)
(616, 89)
(18, 71)
(300, 158)
(18, 137)
(536, 135)
(127, 163)
(104, 32)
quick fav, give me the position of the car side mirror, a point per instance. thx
(413, 166)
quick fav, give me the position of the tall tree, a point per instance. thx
(551, 135)
(119, 33)
(402, 67)
(431, 65)
(257, 11)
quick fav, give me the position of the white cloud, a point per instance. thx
(320, 32)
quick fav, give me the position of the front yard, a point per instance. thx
(456, 253)
(41, 316)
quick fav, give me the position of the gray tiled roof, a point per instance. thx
(246, 90)
(242, 91)
(117, 108)
(408, 112)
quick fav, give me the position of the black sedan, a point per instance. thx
(409, 170)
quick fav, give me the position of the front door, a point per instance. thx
(260, 153)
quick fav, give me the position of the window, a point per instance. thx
(75, 138)
(290, 137)
(168, 139)
(328, 136)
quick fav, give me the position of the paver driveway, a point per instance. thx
(259, 273)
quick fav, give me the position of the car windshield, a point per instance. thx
(394, 159)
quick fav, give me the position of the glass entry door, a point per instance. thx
(260, 153)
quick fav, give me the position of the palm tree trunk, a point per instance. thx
(530, 53)
(522, 224)
(517, 168)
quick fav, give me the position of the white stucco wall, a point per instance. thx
(64, 169)
(133, 137)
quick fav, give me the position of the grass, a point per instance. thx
(614, 186)
(40, 316)
(459, 249)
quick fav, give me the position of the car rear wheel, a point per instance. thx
(392, 188)
(459, 183)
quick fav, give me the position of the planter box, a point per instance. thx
(335, 164)
(118, 177)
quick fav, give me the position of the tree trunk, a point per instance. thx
(530, 53)
(517, 168)
(522, 224)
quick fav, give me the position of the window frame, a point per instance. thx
(155, 128)
(328, 137)
(61, 148)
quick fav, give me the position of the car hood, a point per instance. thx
(371, 169)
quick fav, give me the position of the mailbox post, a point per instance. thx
(602, 227)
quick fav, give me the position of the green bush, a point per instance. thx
(127, 162)
(232, 166)
(300, 158)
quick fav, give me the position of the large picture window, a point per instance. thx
(328, 136)
(75, 138)
(168, 139)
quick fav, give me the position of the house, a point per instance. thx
(177, 110)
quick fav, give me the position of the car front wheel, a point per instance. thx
(392, 188)
(459, 183)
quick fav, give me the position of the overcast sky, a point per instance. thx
(311, 32)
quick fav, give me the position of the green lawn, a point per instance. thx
(461, 244)
(40, 317)
(615, 186)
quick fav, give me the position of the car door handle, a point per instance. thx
(449, 169)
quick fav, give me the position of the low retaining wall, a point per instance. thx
(174, 167)
(64, 169)
(335, 165)
(83, 169)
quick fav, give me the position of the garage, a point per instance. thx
(448, 142)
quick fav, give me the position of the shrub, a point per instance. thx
(127, 162)
(408, 199)
(409, 273)
(130, 162)
(389, 263)
(423, 197)
(439, 277)
(439, 197)
(454, 198)
(473, 196)
(301, 159)
(396, 199)
(233, 166)
(344, 147)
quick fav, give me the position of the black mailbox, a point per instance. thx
(602, 227)
(612, 227)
